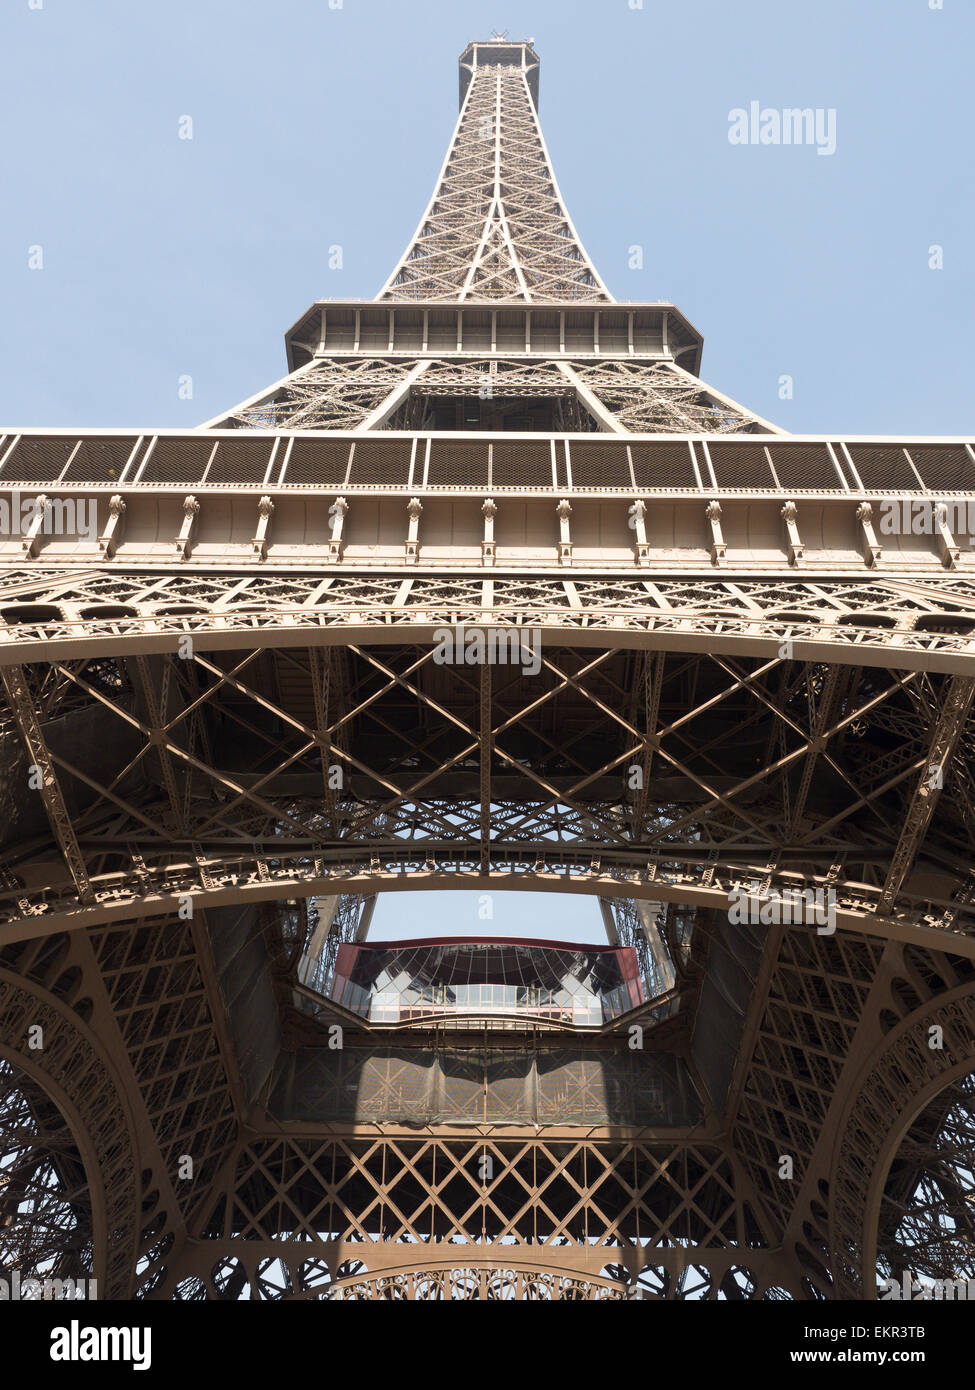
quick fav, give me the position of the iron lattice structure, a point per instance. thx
(226, 729)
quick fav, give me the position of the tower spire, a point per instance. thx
(495, 316)
(487, 595)
(497, 226)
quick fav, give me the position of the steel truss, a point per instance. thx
(496, 227)
(228, 722)
(193, 824)
(652, 1214)
(396, 393)
(930, 624)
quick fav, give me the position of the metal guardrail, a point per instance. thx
(465, 462)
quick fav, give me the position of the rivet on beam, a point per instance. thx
(946, 541)
(872, 551)
(638, 515)
(191, 510)
(337, 512)
(718, 548)
(789, 515)
(29, 542)
(414, 507)
(265, 510)
(564, 511)
(116, 511)
(489, 510)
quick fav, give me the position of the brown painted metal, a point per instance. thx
(229, 698)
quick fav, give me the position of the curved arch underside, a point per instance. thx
(565, 759)
(45, 1207)
(913, 623)
(69, 1189)
(586, 625)
(488, 1279)
(186, 800)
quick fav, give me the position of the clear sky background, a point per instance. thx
(315, 127)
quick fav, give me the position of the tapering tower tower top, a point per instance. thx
(500, 52)
(494, 299)
(497, 227)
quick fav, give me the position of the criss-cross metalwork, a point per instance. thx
(491, 591)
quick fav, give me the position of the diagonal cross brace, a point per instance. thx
(20, 701)
(947, 731)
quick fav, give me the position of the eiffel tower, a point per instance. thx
(492, 591)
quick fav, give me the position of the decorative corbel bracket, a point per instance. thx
(489, 510)
(638, 522)
(950, 551)
(718, 548)
(790, 513)
(337, 513)
(872, 551)
(29, 541)
(265, 510)
(184, 541)
(414, 507)
(564, 511)
(109, 537)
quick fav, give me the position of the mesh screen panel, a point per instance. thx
(455, 463)
(460, 1092)
(100, 460)
(381, 463)
(602, 464)
(546, 1084)
(180, 460)
(241, 460)
(38, 459)
(319, 463)
(804, 466)
(944, 468)
(741, 465)
(522, 463)
(883, 467)
(666, 464)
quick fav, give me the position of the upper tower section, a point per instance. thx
(502, 53)
(496, 227)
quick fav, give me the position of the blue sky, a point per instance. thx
(555, 916)
(316, 126)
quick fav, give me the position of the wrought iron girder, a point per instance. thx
(695, 614)
(496, 227)
(21, 704)
(944, 739)
(437, 723)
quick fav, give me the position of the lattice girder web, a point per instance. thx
(766, 772)
(496, 233)
(496, 227)
(45, 1210)
(227, 724)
